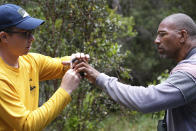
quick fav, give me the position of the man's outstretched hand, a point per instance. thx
(90, 72)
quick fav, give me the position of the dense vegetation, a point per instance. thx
(118, 35)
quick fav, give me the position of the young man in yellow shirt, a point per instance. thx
(20, 73)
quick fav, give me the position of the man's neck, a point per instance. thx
(185, 50)
(10, 59)
(191, 50)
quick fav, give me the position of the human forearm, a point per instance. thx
(41, 117)
(135, 97)
(17, 116)
(140, 98)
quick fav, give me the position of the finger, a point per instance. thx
(82, 55)
(66, 63)
(82, 64)
(85, 61)
(78, 55)
(75, 62)
(73, 73)
(82, 69)
(73, 56)
(87, 56)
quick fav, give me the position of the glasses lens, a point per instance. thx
(24, 34)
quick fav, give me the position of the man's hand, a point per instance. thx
(90, 72)
(70, 81)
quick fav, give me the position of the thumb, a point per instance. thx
(66, 63)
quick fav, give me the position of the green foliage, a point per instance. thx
(87, 26)
(110, 39)
(161, 78)
(129, 122)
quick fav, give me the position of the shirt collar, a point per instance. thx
(191, 52)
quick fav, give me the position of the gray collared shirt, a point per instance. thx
(177, 94)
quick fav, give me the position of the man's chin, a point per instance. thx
(163, 56)
(166, 57)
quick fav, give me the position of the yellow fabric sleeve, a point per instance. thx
(50, 68)
(14, 113)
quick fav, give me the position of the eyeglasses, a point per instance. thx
(24, 34)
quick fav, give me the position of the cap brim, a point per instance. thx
(30, 23)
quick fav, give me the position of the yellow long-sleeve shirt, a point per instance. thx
(19, 93)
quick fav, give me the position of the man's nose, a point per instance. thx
(157, 40)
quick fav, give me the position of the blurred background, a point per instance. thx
(118, 35)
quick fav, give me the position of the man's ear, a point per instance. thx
(183, 36)
(3, 36)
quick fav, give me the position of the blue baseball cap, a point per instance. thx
(13, 15)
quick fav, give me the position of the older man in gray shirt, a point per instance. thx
(176, 39)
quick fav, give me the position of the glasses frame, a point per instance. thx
(25, 34)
